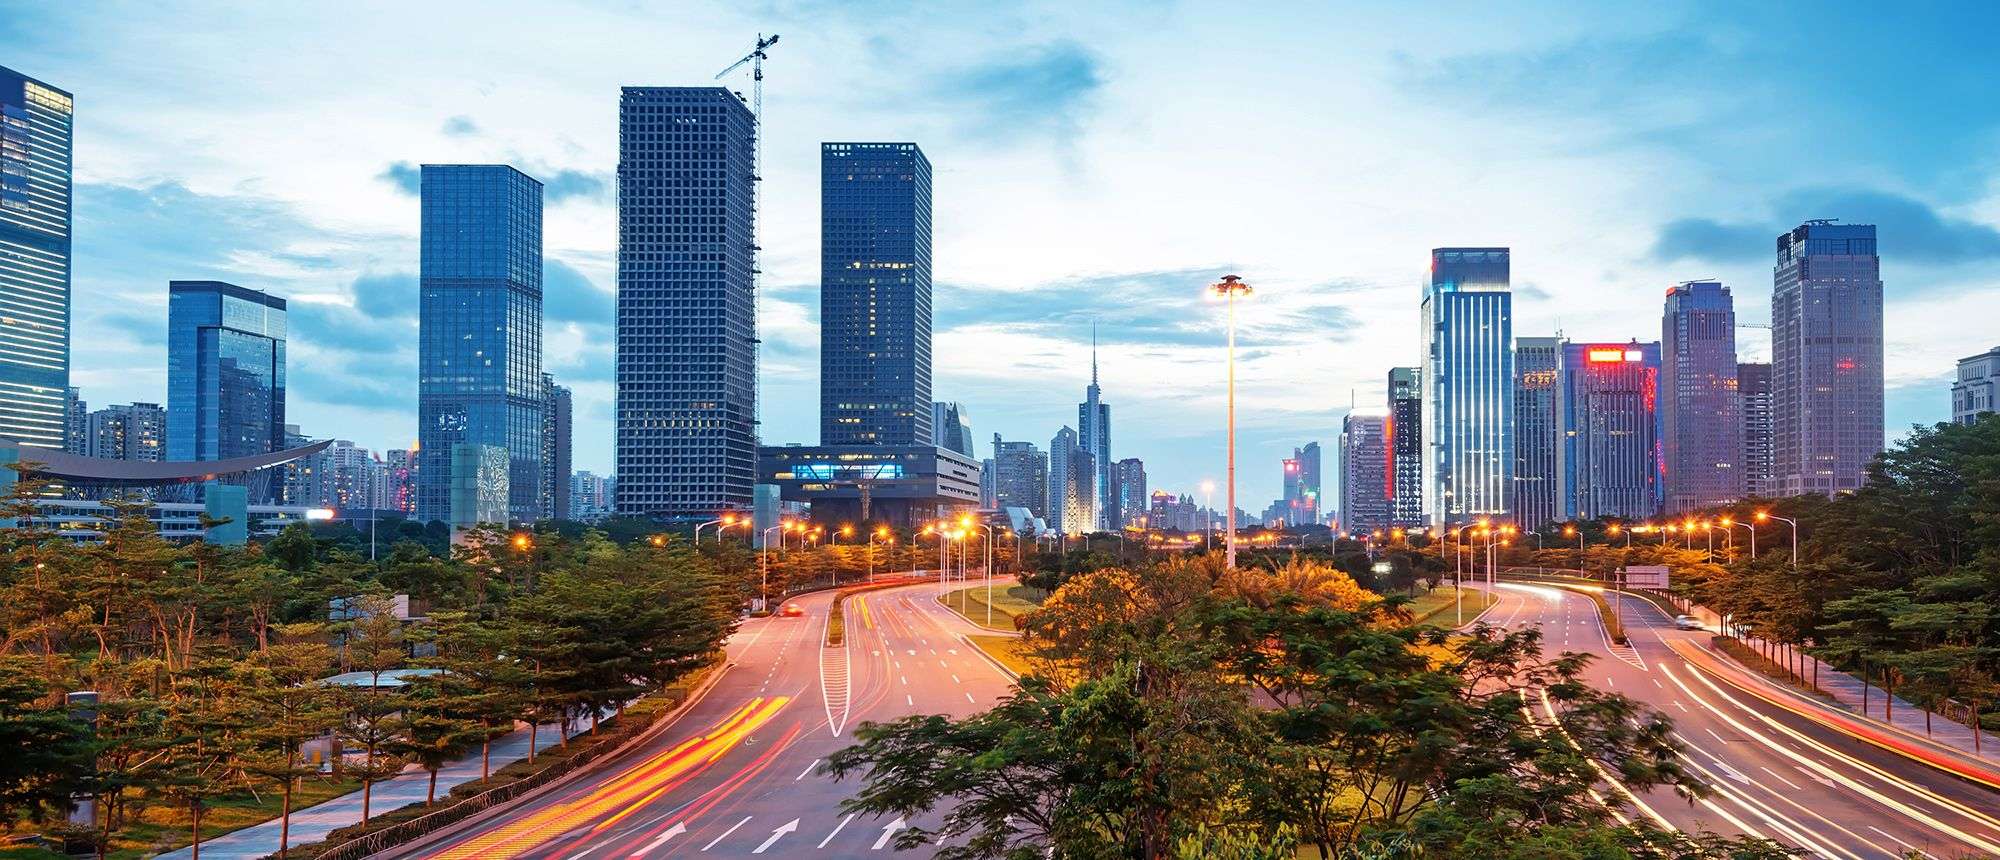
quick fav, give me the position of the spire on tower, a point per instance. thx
(1093, 352)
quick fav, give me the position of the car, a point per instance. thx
(792, 610)
(1688, 622)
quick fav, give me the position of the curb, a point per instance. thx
(996, 664)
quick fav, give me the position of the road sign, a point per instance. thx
(1646, 576)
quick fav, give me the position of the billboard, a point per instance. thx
(1652, 576)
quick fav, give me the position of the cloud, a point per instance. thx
(1147, 308)
(460, 126)
(407, 177)
(1909, 229)
(391, 296)
(1044, 89)
(569, 296)
(565, 184)
(145, 329)
(334, 327)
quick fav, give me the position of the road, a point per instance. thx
(1776, 774)
(741, 772)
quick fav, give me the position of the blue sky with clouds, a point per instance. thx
(1093, 161)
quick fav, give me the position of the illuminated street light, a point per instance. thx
(1766, 515)
(1228, 289)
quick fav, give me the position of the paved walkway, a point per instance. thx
(1846, 692)
(314, 823)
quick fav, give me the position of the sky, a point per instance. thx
(1098, 161)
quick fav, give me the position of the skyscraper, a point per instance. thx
(1753, 384)
(686, 428)
(1536, 371)
(1292, 501)
(1973, 392)
(1072, 485)
(1310, 499)
(1093, 430)
(1468, 377)
(875, 295)
(1700, 406)
(989, 486)
(35, 137)
(555, 501)
(1405, 429)
(401, 467)
(1021, 476)
(76, 422)
(1128, 492)
(1608, 457)
(1826, 358)
(479, 353)
(1365, 458)
(225, 371)
(952, 429)
(133, 432)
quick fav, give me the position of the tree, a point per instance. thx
(287, 709)
(45, 752)
(432, 730)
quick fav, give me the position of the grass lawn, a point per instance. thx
(1439, 607)
(1008, 601)
(163, 826)
(1005, 649)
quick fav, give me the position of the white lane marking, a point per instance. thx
(952, 651)
(969, 698)
(1780, 777)
(955, 680)
(808, 770)
(1901, 842)
(1677, 704)
(888, 830)
(1656, 683)
(909, 701)
(943, 665)
(1711, 733)
(836, 830)
(1608, 682)
(913, 652)
(906, 679)
(725, 833)
(777, 834)
(679, 828)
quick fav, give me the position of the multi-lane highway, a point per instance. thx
(741, 773)
(1776, 774)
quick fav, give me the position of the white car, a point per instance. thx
(1688, 622)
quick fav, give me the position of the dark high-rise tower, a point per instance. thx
(1826, 358)
(35, 136)
(686, 429)
(1468, 376)
(1700, 406)
(1405, 430)
(875, 295)
(1365, 455)
(1537, 363)
(1753, 383)
(479, 341)
(225, 371)
(1608, 460)
(1093, 430)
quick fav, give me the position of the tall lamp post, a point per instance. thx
(1228, 289)
(764, 561)
(1207, 513)
(1733, 525)
(879, 532)
(1766, 515)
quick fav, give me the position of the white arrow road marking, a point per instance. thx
(725, 833)
(1815, 777)
(778, 834)
(679, 828)
(888, 830)
(836, 830)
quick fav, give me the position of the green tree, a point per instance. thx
(45, 753)
(287, 708)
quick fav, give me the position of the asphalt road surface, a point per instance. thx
(741, 773)
(1776, 774)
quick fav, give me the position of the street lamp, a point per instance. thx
(722, 522)
(879, 532)
(1573, 531)
(1228, 289)
(1766, 515)
(1538, 551)
(989, 570)
(845, 531)
(1734, 525)
(1207, 513)
(764, 561)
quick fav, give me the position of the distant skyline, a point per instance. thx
(1090, 163)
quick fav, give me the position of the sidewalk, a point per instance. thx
(314, 823)
(1846, 692)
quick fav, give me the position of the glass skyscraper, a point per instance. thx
(1753, 382)
(479, 351)
(1608, 457)
(1365, 456)
(1700, 406)
(1537, 362)
(1468, 378)
(686, 427)
(1093, 431)
(1405, 431)
(1826, 358)
(875, 296)
(35, 135)
(225, 371)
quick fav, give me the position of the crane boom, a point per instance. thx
(755, 59)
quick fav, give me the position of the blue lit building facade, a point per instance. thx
(686, 426)
(875, 295)
(35, 184)
(1700, 404)
(1826, 358)
(1609, 459)
(1537, 370)
(479, 347)
(225, 371)
(1468, 379)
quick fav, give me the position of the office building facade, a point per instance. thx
(76, 422)
(1609, 462)
(1753, 387)
(1020, 476)
(1700, 404)
(1128, 493)
(130, 432)
(875, 295)
(1973, 391)
(225, 371)
(1826, 358)
(1073, 491)
(1365, 475)
(686, 421)
(556, 418)
(1093, 430)
(1468, 378)
(952, 428)
(479, 352)
(1537, 372)
(1406, 447)
(35, 215)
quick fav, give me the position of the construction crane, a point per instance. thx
(755, 59)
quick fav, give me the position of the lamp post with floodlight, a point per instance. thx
(1228, 289)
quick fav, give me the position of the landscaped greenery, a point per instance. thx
(1008, 602)
(1184, 710)
(205, 662)
(1440, 606)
